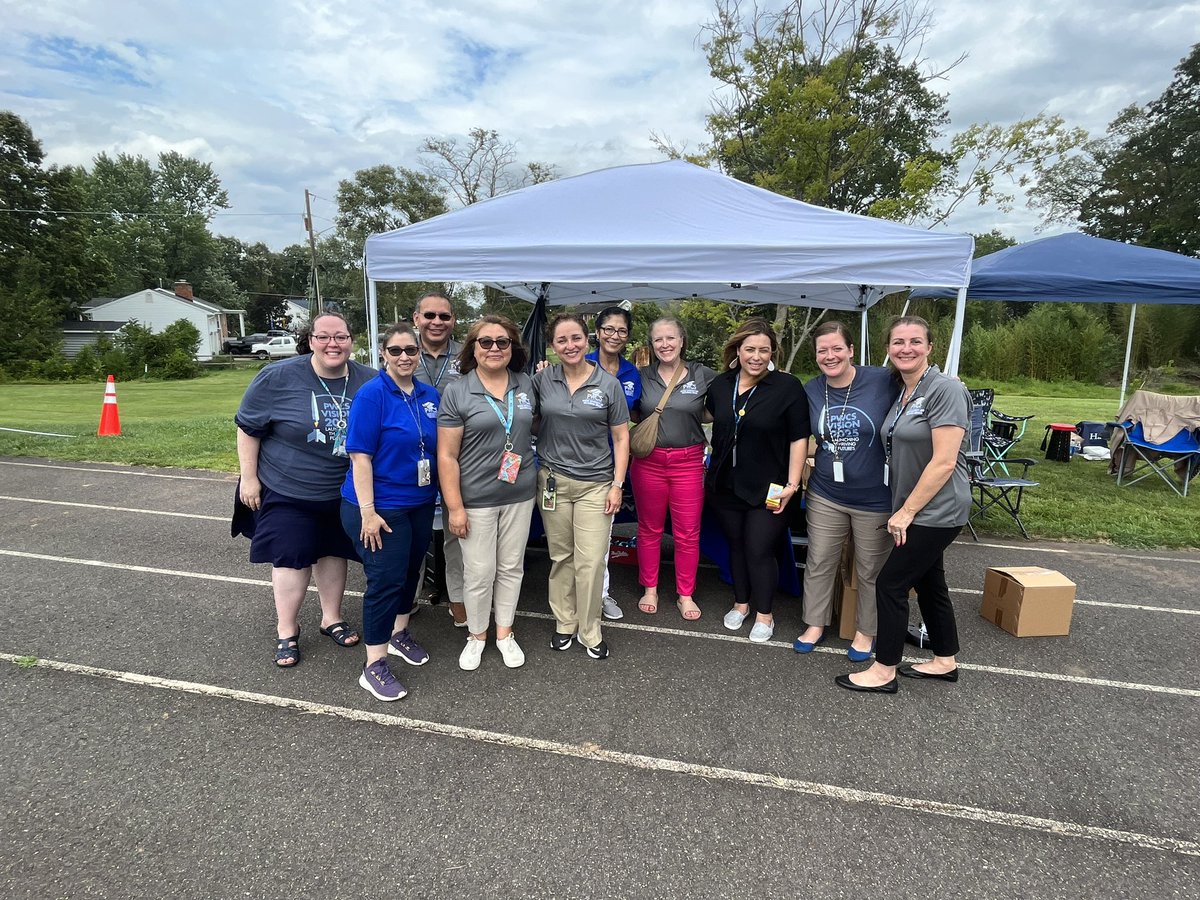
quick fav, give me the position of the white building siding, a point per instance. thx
(157, 309)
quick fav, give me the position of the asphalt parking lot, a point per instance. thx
(154, 749)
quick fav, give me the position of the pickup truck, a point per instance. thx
(244, 346)
(274, 348)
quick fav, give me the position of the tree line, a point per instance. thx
(829, 102)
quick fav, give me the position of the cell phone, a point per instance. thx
(774, 495)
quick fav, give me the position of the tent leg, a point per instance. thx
(955, 350)
(372, 321)
(864, 351)
(1128, 353)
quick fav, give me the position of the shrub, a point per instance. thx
(180, 364)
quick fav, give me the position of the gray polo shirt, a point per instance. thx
(440, 370)
(464, 405)
(573, 438)
(938, 401)
(680, 424)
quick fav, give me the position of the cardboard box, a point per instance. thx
(1028, 601)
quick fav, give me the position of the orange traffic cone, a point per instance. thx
(110, 419)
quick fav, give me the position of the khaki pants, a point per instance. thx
(577, 535)
(828, 525)
(493, 555)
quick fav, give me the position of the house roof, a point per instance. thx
(92, 325)
(99, 302)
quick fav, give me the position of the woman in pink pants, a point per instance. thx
(672, 476)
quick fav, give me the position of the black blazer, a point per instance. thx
(776, 415)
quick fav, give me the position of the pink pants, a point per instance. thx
(669, 478)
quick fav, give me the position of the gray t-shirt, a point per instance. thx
(937, 401)
(296, 418)
(573, 438)
(465, 405)
(439, 371)
(681, 422)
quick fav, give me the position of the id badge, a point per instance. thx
(510, 467)
(423, 473)
(549, 495)
(886, 469)
(839, 472)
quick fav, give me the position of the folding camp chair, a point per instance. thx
(1181, 452)
(992, 486)
(999, 433)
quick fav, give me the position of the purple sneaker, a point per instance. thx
(379, 680)
(404, 646)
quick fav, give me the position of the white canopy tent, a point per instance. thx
(669, 231)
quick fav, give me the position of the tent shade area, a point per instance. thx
(668, 231)
(1079, 268)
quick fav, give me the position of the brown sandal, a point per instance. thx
(691, 613)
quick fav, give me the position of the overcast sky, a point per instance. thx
(283, 95)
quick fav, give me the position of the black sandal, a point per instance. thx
(340, 634)
(285, 649)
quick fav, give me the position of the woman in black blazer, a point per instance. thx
(760, 437)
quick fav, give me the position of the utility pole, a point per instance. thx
(315, 305)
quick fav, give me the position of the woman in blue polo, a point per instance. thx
(387, 503)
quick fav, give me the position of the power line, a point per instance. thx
(117, 212)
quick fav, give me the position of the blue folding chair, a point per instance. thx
(1181, 453)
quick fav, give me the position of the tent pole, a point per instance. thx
(372, 320)
(1128, 353)
(864, 353)
(960, 315)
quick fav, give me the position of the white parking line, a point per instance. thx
(1071, 551)
(593, 753)
(140, 473)
(144, 512)
(648, 629)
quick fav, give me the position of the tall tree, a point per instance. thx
(482, 166)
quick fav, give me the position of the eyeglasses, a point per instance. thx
(410, 350)
(443, 317)
(326, 338)
(500, 343)
(613, 331)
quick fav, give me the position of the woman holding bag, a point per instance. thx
(668, 466)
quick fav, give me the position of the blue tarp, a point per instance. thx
(1078, 268)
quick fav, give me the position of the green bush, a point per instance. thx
(180, 365)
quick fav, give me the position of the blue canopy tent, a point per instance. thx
(1078, 268)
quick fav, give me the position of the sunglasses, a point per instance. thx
(444, 317)
(410, 350)
(487, 343)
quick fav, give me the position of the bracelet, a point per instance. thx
(365, 506)
(619, 484)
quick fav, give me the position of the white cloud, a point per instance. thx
(281, 95)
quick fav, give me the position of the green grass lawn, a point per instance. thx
(190, 424)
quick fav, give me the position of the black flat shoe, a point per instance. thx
(910, 672)
(843, 681)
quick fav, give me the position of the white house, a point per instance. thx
(156, 308)
(296, 313)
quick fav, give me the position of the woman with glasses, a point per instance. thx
(760, 442)
(387, 504)
(485, 464)
(672, 476)
(614, 326)
(291, 444)
(583, 448)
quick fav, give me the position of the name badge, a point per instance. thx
(839, 471)
(510, 467)
(424, 475)
(886, 467)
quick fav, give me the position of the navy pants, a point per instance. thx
(753, 534)
(916, 564)
(391, 571)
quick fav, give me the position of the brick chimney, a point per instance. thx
(183, 289)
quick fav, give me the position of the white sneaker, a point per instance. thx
(514, 656)
(469, 659)
(734, 619)
(762, 631)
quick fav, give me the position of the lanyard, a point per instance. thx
(903, 405)
(829, 417)
(739, 414)
(341, 422)
(441, 372)
(506, 422)
(416, 419)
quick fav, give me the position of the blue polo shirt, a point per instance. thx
(627, 375)
(389, 425)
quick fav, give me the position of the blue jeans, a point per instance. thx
(393, 570)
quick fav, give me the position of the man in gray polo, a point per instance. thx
(438, 367)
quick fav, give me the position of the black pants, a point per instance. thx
(753, 535)
(917, 563)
